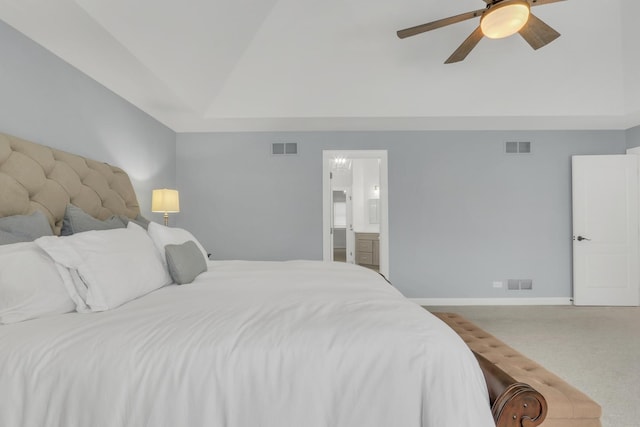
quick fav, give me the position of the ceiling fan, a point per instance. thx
(500, 18)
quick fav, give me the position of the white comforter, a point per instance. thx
(248, 344)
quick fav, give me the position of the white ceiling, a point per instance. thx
(217, 65)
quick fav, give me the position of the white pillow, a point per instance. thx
(163, 236)
(75, 287)
(114, 266)
(30, 286)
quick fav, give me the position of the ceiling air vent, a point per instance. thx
(517, 147)
(284, 148)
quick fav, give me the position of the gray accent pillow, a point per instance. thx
(139, 220)
(8, 238)
(76, 221)
(185, 262)
(24, 228)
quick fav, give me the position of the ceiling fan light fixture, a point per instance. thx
(505, 18)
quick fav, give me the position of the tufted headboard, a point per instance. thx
(36, 177)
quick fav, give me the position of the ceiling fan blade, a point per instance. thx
(537, 33)
(467, 46)
(419, 29)
(531, 2)
(542, 2)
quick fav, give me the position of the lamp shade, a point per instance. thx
(505, 19)
(165, 200)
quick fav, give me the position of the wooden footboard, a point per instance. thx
(513, 404)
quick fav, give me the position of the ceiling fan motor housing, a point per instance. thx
(505, 18)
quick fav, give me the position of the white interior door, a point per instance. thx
(605, 230)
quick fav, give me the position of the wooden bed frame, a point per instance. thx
(513, 404)
(36, 177)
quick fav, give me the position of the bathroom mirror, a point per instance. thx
(374, 211)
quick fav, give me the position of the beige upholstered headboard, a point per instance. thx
(36, 177)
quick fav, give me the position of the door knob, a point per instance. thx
(580, 238)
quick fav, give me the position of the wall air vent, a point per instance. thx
(517, 147)
(284, 148)
(520, 285)
(526, 285)
(513, 284)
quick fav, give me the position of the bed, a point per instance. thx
(297, 343)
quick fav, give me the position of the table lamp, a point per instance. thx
(165, 200)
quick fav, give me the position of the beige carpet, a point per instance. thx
(596, 349)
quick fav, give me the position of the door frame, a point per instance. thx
(327, 157)
(583, 294)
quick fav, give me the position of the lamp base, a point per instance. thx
(166, 219)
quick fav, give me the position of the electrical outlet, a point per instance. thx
(497, 284)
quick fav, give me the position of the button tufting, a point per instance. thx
(47, 179)
(525, 370)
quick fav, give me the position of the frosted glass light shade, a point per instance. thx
(165, 200)
(505, 19)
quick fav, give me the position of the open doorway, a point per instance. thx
(355, 208)
(340, 224)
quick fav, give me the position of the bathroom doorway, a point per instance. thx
(341, 211)
(355, 208)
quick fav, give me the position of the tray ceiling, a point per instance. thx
(217, 65)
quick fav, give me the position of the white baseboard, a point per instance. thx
(492, 301)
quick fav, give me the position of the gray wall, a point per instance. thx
(45, 100)
(633, 137)
(462, 213)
